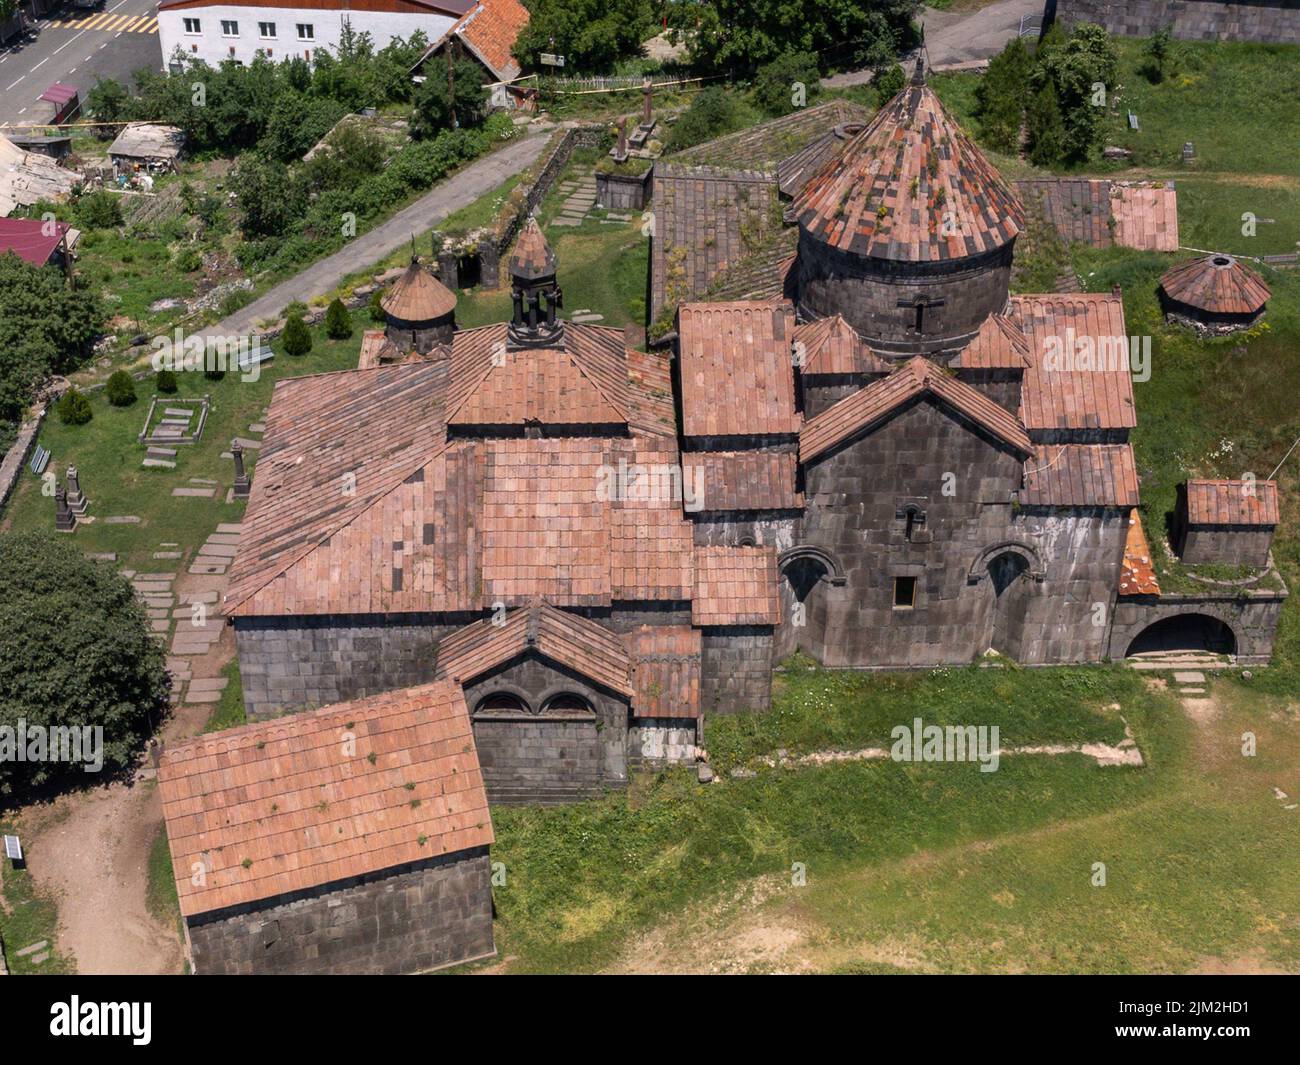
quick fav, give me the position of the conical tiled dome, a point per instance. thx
(889, 192)
(418, 296)
(1218, 284)
(533, 257)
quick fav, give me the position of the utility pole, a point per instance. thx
(451, 83)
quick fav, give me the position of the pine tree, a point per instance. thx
(1046, 130)
(296, 337)
(338, 323)
(1000, 97)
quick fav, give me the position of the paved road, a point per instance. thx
(451, 195)
(953, 37)
(76, 47)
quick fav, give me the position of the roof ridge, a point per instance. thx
(620, 408)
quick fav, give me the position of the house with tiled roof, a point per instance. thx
(872, 453)
(487, 31)
(349, 839)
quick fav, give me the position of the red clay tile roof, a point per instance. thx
(1232, 502)
(736, 369)
(999, 345)
(831, 346)
(490, 31)
(335, 444)
(585, 383)
(572, 641)
(795, 171)
(1137, 576)
(373, 344)
(863, 200)
(651, 410)
(651, 555)
(918, 377)
(766, 146)
(318, 797)
(735, 586)
(1057, 396)
(1146, 215)
(665, 670)
(532, 258)
(418, 296)
(744, 480)
(1081, 475)
(1219, 284)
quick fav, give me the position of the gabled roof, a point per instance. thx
(27, 238)
(736, 586)
(831, 346)
(915, 379)
(666, 670)
(335, 444)
(1146, 215)
(911, 186)
(1228, 502)
(490, 30)
(418, 296)
(736, 369)
(585, 382)
(324, 796)
(1066, 396)
(999, 345)
(575, 642)
(1081, 475)
(1218, 284)
(744, 480)
(533, 256)
(1137, 575)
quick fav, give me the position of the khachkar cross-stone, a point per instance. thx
(77, 502)
(242, 484)
(620, 151)
(64, 519)
(647, 96)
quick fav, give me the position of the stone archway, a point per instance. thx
(1194, 632)
(806, 572)
(1011, 570)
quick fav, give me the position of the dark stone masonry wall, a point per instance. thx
(408, 920)
(867, 292)
(1232, 545)
(294, 664)
(1252, 617)
(1270, 21)
(736, 669)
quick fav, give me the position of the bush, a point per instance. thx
(296, 337)
(75, 651)
(74, 408)
(712, 113)
(99, 210)
(120, 389)
(888, 83)
(376, 306)
(188, 259)
(338, 323)
(213, 374)
(1000, 97)
(165, 382)
(776, 86)
(1046, 130)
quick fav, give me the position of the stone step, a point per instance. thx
(159, 464)
(229, 527)
(209, 684)
(203, 493)
(161, 452)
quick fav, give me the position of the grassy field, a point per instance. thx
(27, 917)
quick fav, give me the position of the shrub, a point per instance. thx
(775, 85)
(74, 408)
(712, 113)
(120, 389)
(213, 374)
(165, 382)
(99, 210)
(376, 306)
(189, 259)
(296, 338)
(888, 83)
(338, 323)
(1001, 95)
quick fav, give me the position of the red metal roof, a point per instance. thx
(25, 237)
(58, 93)
(880, 399)
(313, 798)
(911, 186)
(1226, 502)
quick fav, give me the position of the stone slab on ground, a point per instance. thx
(202, 480)
(246, 444)
(257, 427)
(209, 684)
(159, 464)
(197, 493)
(200, 597)
(201, 697)
(154, 451)
(207, 568)
(122, 519)
(102, 556)
(161, 555)
(223, 538)
(160, 626)
(219, 550)
(147, 587)
(229, 527)
(1189, 678)
(155, 576)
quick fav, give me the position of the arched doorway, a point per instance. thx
(1009, 578)
(802, 612)
(1185, 632)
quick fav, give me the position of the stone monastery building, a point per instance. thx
(886, 461)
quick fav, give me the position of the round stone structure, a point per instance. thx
(908, 232)
(419, 311)
(1214, 294)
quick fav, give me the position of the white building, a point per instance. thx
(239, 29)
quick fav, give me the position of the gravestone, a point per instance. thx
(64, 519)
(77, 502)
(242, 484)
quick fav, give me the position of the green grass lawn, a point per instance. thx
(108, 459)
(26, 918)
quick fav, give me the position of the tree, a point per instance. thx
(1083, 72)
(787, 83)
(338, 323)
(268, 196)
(75, 651)
(120, 389)
(297, 337)
(108, 100)
(592, 35)
(376, 306)
(99, 210)
(1000, 97)
(1160, 53)
(437, 103)
(712, 113)
(1046, 130)
(74, 408)
(888, 83)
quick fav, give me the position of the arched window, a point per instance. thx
(567, 703)
(502, 702)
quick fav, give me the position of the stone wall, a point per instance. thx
(542, 756)
(736, 669)
(412, 919)
(1270, 21)
(11, 467)
(622, 192)
(1233, 545)
(867, 292)
(1252, 617)
(662, 741)
(291, 664)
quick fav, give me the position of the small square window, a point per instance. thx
(904, 593)
(192, 26)
(229, 28)
(266, 30)
(306, 31)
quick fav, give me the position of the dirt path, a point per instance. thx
(92, 852)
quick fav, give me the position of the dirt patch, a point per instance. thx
(1247, 965)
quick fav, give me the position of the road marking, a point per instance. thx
(40, 64)
(15, 83)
